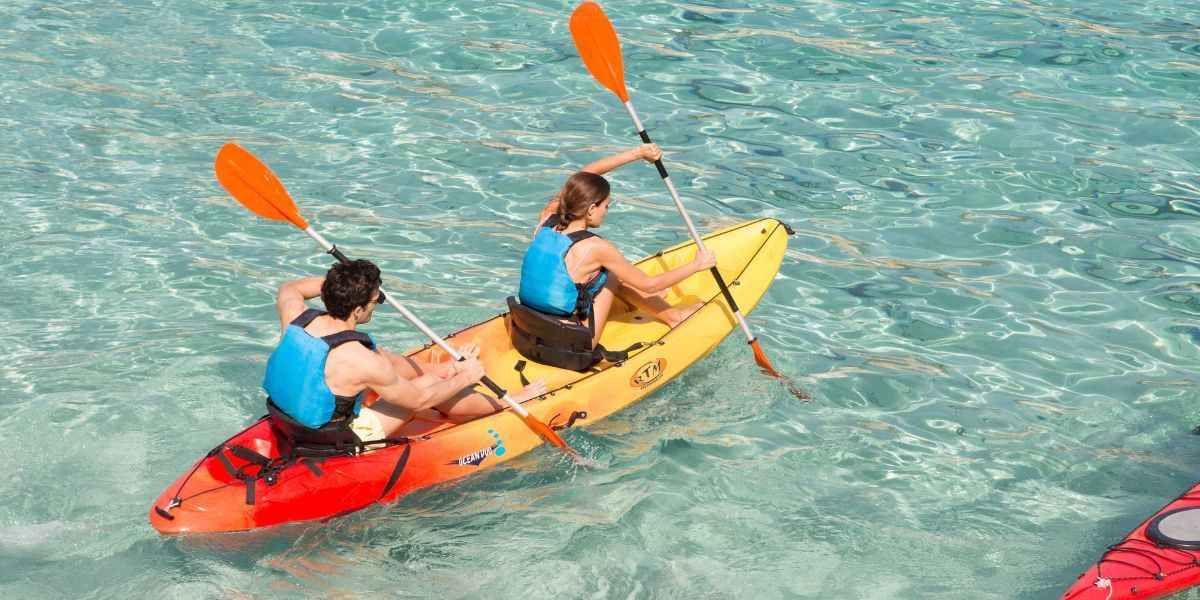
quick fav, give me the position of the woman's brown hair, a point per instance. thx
(582, 191)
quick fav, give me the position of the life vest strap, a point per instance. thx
(337, 339)
(334, 339)
(306, 317)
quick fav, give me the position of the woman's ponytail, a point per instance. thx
(582, 191)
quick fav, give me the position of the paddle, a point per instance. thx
(601, 52)
(254, 185)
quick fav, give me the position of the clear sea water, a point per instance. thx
(992, 292)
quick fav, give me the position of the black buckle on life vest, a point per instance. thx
(343, 409)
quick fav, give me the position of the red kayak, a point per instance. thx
(1160, 557)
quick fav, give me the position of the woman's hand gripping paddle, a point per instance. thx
(254, 185)
(601, 52)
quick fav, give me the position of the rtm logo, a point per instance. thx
(648, 373)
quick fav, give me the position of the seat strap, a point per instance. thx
(397, 470)
(249, 455)
(615, 355)
(520, 369)
(270, 468)
(250, 481)
(229, 468)
(313, 465)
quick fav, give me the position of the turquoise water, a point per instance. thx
(992, 292)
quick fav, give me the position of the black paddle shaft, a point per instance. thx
(662, 172)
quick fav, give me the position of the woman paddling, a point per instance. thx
(572, 273)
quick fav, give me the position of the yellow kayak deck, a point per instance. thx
(748, 257)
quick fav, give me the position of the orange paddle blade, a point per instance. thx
(547, 434)
(597, 43)
(254, 185)
(760, 357)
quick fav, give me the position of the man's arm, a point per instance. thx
(292, 295)
(396, 390)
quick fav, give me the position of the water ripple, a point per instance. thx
(992, 291)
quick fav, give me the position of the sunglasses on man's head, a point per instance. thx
(381, 299)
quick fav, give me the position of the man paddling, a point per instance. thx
(320, 372)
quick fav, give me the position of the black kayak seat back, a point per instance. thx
(549, 340)
(329, 439)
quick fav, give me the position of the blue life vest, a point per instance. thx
(295, 380)
(546, 286)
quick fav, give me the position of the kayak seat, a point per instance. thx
(331, 439)
(298, 445)
(549, 340)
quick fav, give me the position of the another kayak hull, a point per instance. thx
(1139, 568)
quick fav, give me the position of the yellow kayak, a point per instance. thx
(213, 495)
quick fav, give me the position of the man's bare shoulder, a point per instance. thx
(355, 358)
(291, 312)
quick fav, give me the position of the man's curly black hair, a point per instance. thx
(348, 286)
